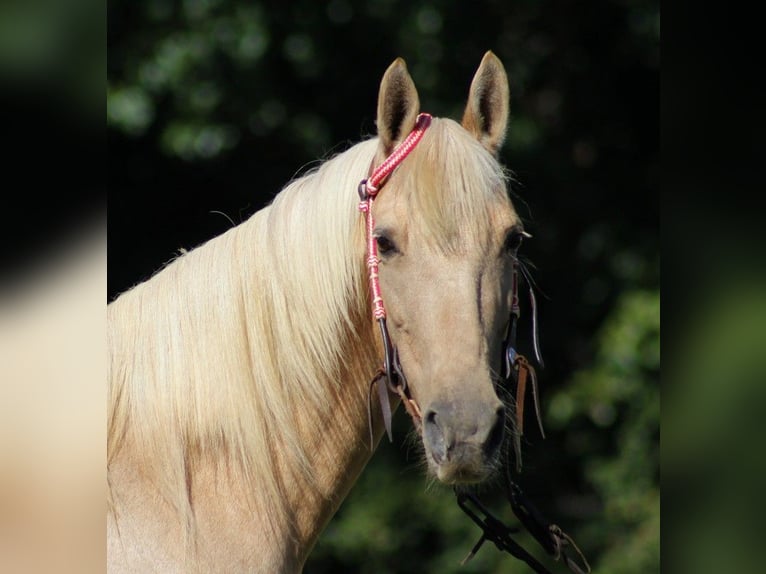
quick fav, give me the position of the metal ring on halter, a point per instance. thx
(362, 190)
(399, 372)
(510, 346)
(391, 374)
(510, 359)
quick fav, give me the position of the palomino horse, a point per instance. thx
(239, 375)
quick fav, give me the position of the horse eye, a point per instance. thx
(385, 245)
(513, 240)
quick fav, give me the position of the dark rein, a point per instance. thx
(550, 536)
(518, 372)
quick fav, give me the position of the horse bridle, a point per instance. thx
(390, 377)
(550, 536)
(518, 372)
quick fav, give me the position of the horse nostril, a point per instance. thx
(434, 436)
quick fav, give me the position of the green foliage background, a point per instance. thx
(213, 105)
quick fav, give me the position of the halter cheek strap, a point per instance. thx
(390, 377)
(518, 369)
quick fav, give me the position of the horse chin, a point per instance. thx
(461, 472)
(452, 476)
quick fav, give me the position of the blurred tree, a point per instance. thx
(611, 412)
(213, 105)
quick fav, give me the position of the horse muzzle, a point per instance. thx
(462, 440)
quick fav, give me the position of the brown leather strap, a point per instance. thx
(379, 380)
(522, 369)
(527, 370)
(521, 386)
(562, 541)
(410, 406)
(525, 373)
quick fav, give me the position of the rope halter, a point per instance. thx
(368, 189)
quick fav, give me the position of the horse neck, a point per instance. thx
(312, 301)
(313, 241)
(253, 353)
(313, 298)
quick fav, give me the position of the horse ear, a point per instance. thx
(486, 113)
(398, 106)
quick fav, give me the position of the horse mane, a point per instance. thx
(225, 352)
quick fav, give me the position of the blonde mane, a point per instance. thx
(226, 352)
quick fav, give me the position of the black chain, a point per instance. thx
(495, 531)
(550, 536)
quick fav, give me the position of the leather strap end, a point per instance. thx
(385, 405)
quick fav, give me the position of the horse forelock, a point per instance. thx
(452, 187)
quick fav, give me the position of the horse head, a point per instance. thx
(447, 237)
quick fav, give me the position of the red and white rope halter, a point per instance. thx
(368, 190)
(391, 376)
